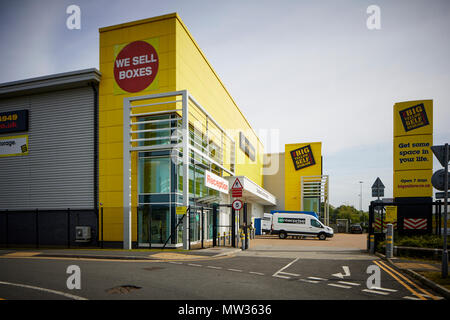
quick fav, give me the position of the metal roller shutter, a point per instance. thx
(58, 172)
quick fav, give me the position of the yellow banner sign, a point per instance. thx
(14, 146)
(413, 152)
(413, 183)
(391, 213)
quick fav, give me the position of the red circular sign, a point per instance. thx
(237, 204)
(136, 66)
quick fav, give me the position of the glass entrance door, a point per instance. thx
(155, 198)
(153, 220)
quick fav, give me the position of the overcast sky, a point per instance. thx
(311, 69)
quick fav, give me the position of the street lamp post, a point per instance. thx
(360, 196)
(360, 200)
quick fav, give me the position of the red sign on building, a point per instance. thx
(136, 66)
(236, 189)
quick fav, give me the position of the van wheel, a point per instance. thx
(282, 235)
(322, 236)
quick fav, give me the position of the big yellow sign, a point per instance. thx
(300, 159)
(413, 159)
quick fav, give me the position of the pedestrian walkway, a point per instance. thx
(119, 254)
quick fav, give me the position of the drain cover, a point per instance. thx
(153, 268)
(123, 289)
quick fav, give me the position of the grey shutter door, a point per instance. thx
(58, 172)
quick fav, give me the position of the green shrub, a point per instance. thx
(423, 241)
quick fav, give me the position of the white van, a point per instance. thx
(266, 223)
(291, 224)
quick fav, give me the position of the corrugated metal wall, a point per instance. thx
(58, 172)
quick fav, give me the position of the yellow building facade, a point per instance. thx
(159, 96)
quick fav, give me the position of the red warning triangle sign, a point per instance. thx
(237, 185)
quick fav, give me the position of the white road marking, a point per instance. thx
(236, 270)
(285, 267)
(383, 289)
(290, 274)
(258, 273)
(310, 281)
(213, 267)
(278, 276)
(173, 262)
(346, 273)
(67, 295)
(315, 278)
(411, 298)
(338, 285)
(349, 283)
(377, 292)
(194, 265)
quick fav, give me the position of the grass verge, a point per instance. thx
(436, 278)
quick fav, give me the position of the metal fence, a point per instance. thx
(41, 228)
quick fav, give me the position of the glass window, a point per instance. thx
(316, 223)
(154, 220)
(161, 130)
(154, 175)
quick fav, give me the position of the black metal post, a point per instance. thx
(245, 246)
(149, 215)
(440, 216)
(233, 228)
(370, 236)
(37, 228)
(201, 227)
(444, 247)
(214, 225)
(101, 213)
(68, 227)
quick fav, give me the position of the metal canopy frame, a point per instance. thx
(316, 187)
(185, 145)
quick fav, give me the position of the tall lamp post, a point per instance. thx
(360, 199)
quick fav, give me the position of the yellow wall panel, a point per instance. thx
(196, 74)
(292, 177)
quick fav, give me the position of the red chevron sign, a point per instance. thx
(409, 223)
(377, 224)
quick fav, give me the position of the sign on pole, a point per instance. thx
(237, 204)
(391, 213)
(438, 179)
(378, 188)
(181, 210)
(236, 189)
(439, 153)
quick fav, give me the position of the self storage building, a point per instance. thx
(163, 133)
(49, 158)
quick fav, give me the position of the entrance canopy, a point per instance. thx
(251, 192)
